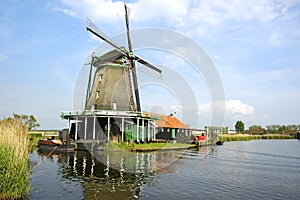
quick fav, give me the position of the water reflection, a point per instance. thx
(110, 175)
(132, 162)
(209, 172)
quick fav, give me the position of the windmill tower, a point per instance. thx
(112, 109)
(115, 85)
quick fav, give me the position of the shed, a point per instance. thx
(171, 128)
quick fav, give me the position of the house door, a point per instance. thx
(173, 133)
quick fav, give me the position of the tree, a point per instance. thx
(239, 126)
(29, 121)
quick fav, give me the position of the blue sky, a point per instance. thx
(254, 45)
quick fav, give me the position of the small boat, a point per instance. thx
(55, 145)
(219, 142)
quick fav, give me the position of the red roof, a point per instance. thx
(170, 122)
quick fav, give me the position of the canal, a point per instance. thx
(257, 169)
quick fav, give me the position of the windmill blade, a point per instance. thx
(149, 71)
(138, 59)
(144, 62)
(131, 56)
(127, 11)
(94, 30)
(88, 92)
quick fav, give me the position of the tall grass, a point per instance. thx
(14, 172)
(246, 137)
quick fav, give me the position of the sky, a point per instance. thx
(253, 45)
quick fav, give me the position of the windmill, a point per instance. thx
(120, 55)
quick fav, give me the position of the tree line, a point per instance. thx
(28, 120)
(270, 129)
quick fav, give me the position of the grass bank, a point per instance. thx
(14, 171)
(246, 137)
(147, 146)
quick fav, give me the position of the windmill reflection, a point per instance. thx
(113, 175)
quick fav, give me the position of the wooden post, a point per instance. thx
(76, 128)
(108, 128)
(94, 128)
(143, 129)
(85, 127)
(137, 129)
(148, 131)
(153, 130)
(122, 129)
(69, 124)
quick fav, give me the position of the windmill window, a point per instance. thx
(100, 77)
(97, 94)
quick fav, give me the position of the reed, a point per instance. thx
(14, 172)
(246, 137)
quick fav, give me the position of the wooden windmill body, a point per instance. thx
(115, 85)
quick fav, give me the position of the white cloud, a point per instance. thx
(2, 57)
(237, 107)
(217, 11)
(66, 11)
(99, 10)
(170, 11)
(275, 39)
(231, 107)
(177, 11)
(278, 74)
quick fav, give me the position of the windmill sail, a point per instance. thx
(94, 30)
(131, 72)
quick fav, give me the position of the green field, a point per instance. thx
(147, 146)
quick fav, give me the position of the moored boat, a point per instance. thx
(199, 139)
(54, 145)
(61, 144)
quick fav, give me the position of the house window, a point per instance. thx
(168, 130)
(97, 94)
(100, 77)
(129, 127)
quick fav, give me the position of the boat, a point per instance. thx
(219, 142)
(199, 139)
(55, 145)
(62, 144)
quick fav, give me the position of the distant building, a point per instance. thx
(256, 130)
(213, 132)
(290, 132)
(171, 128)
(231, 132)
